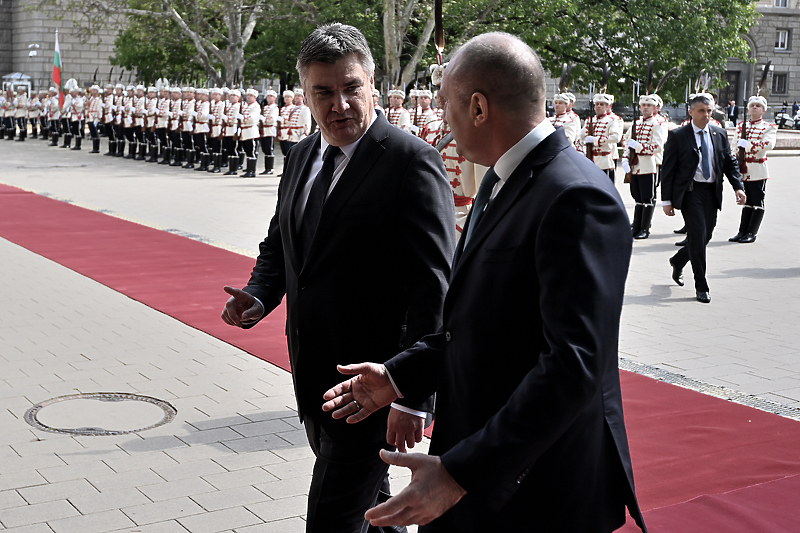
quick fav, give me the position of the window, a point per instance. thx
(782, 40)
(780, 83)
(781, 3)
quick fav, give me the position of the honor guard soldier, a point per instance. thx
(603, 131)
(283, 121)
(269, 116)
(376, 99)
(53, 115)
(251, 113)
(150, 123)
(217, 110)
(578, 144)
(21, 112)
(433, 132)
(44, 124)
(226, 99)
(564, 118)
(94, 114)
(397, 114)
(76, 114)
(5, 104)
(230, 133)
(119, 131)
(66, 109)
(174, 127)
(299, 119)
(108, 119)
(202, 115)
(424, 113)
(754, 137)
(162, 122)
(439, 107)
(139, 109)
(33, 115)
(643, 141)
(127, 120)
(188, 115)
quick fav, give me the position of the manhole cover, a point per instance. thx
(100, 413)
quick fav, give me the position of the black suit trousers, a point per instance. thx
(699, 211)
(348, 480)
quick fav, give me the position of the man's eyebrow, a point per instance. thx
(348, 83)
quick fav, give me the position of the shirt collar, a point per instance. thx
(349, 149)
(696, 129)
(510, 160)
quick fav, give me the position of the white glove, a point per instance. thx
(113, 108)
(239, 116)
(625, 166)
(589, 139)
(636, 145)
(210, 116)
(194, 113)
(278, 119)
(742, 143)
(261, 120)
(413, 128)
(95, 123)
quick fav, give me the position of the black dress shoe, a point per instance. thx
(682, 243)
(680, 231)
(704, 297)
(677, 274)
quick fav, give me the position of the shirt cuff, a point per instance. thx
(254, 320)
(394, 385)
(403, 408)
(666, 202)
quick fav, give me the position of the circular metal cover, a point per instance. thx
(100, 414)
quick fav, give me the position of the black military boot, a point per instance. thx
(251, 168)
(2, 133)
(142, 152)
(189, 159)
(54, 139)
(11, 133)
(224, 160)
(647, 219)
(67, 140)
(131, 150)
(747, 213)
(112, 148)
(269, 163)
(752, 229)
(45, 133)
(120, 148)
(153, 154)
(203, 163)
(636, 225)
(95, 145)
(77, 143)
(232, 166)
(165, 155)
(22, 134)
(217, 164)
(241, 161)
(34, 131)
(178, 157)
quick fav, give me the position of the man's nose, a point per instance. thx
(340, 104)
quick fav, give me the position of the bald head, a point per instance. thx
(502, 68)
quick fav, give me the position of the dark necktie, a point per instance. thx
(316, 198)
(706, 157)
(481, 200)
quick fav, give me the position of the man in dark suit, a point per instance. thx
(733, 112)
(529, 429)
(696, 156)
(361, 245)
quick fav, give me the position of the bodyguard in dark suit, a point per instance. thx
(360, 245)
(696, 157)
(529, 431)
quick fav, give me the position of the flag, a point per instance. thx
(57, 73)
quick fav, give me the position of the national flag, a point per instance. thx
(57, 73)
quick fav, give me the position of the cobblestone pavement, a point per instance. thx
(235, 457)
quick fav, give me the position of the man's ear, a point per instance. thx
(478, 109)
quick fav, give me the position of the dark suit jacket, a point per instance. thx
(376, 272)
(529, 413)
(681, 157)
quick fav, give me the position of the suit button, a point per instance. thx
(448, 336)
(523, 475)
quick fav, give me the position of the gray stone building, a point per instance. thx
(27, 43)
(772, 38)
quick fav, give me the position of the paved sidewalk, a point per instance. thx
(235, 457)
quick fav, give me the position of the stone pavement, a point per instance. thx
(235, 457)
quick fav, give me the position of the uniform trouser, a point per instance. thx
(129, 135)
(286, 146)
(699, 210)
(229, 146)
(175, 140)
(150, 136)
(54, 126)
(215, 145)
(75, 128)
(347, 480)
(199, 140)
(643, 188)
(22, 123)
(755, 190)
(111, 132)
(34, 124)
(43, 122)
(248, 147)
(8, 122)
(64, 126)
(161, 133)
(267, 144)
(93, 133)
(609, 172)
(187, 141)
(138, 132)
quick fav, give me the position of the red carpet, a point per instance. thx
(700, 463)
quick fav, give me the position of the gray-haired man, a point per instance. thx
(360, 245)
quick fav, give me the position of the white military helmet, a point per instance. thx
(270, 92)
(561, 97)
(397, 92)
(215, 90)
(651, 99)
(236, 92)
(140, 87)
(71, 85)
(94, 87)
(758, 99)
(202, 90)
(119, 86)
(298, 90)
(252, 92)
(603, 98)
(152, 89)
(287, 92)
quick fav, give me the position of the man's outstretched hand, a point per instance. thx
(240, 308)
(432, 491)
(369, 390)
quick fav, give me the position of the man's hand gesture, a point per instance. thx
(241, 308)
(362, 395)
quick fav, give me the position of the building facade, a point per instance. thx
(27, 45)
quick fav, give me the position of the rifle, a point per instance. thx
(633, 158)
(742, 153)
(590, 125)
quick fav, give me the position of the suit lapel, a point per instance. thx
(525, 173)
(293, 192)
(368, 152)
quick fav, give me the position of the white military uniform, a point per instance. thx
(285, 114)
(607, 132)
(465, 178)
(650, 138)
(567, 120)
(299, 123)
